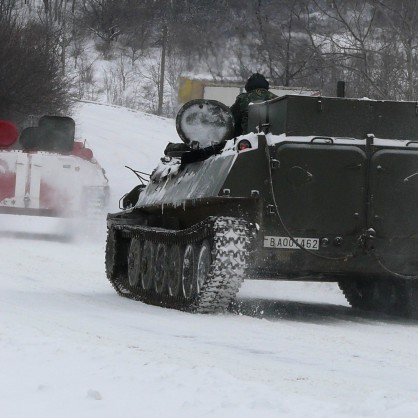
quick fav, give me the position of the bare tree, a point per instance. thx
(272, 39)
(30, 72)
(7, 10)
(401, 19)
(102, 19)
(349, 38)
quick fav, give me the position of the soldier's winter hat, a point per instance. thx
(256, 81)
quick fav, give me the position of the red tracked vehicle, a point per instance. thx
(44, 172)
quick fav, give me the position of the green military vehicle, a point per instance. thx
(319, 189)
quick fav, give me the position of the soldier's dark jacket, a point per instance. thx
(257, 91)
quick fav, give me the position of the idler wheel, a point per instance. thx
(204, 261)
(147, 265)
(174, 270)
(160, 269)
(188, 277)
(134, 262)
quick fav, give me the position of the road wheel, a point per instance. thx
(188, 276)
(161, 262)
(204, 261)
(147, 265)
(174, 270)
(134, 262)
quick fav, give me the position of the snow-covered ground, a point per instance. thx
(70, 347)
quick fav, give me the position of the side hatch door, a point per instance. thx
(320, 189)
(394, 206)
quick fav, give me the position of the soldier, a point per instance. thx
(256, 91)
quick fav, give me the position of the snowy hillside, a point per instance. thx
(71, 348)
(119, 137)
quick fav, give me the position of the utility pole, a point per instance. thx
(162, 70)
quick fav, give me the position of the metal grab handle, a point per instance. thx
(411, 142)
(327, 138)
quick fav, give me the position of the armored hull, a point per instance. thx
(326, 190)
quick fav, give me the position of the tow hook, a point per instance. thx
(367, 238)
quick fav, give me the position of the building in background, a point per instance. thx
(226, 92)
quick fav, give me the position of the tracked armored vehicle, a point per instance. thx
(319, 189)
(46, 173)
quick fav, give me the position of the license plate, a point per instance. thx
(286, 242)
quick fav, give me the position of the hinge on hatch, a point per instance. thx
(367, 238)
(270, 209)
(319, 105)
(274, 164)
